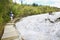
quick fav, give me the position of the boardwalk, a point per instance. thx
(10, 32)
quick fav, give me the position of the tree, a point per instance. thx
(34, 4)
(21, 1)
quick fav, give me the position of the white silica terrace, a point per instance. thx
(40, 27)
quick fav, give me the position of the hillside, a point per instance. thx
(26, 10)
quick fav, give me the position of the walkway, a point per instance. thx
(10, 33)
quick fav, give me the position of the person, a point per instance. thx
(11, 15)
(50, 13)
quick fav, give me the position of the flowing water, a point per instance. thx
(40, 27)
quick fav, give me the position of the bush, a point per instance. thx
(26, 10)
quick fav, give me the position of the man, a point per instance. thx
(50, 13)
(11, 15)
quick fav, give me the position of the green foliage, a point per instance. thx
(34, 4)
(26, 10)
(4, 6)
(4, 14)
